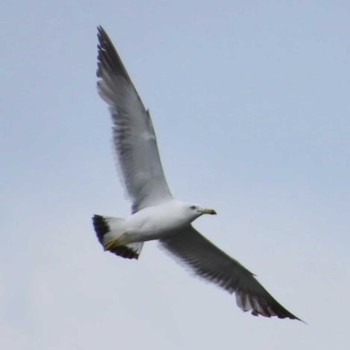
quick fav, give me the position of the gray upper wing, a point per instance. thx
(133, 134)
(212, 264)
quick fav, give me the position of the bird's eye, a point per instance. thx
(193, 207)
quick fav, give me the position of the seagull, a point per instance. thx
(155, 213)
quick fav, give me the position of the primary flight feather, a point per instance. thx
(156, 214)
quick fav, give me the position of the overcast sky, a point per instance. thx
(250, 102)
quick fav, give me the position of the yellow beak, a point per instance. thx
(209, 211)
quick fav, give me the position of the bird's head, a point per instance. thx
(194, 211)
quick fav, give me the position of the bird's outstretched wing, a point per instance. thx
(212, 264)
(133, 134)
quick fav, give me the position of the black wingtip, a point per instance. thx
(270, 307)
(108, 59)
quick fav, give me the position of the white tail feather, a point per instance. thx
(109, 230)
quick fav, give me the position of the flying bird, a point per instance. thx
(155, 213)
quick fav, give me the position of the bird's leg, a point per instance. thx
(116, 242)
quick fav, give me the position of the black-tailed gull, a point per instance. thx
(156, 215)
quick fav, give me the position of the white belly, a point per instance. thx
(154, 223)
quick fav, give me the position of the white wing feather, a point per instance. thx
(133, 134)
(212, 264)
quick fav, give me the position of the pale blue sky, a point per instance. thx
(250, 102)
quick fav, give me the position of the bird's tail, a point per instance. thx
(109, 232)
